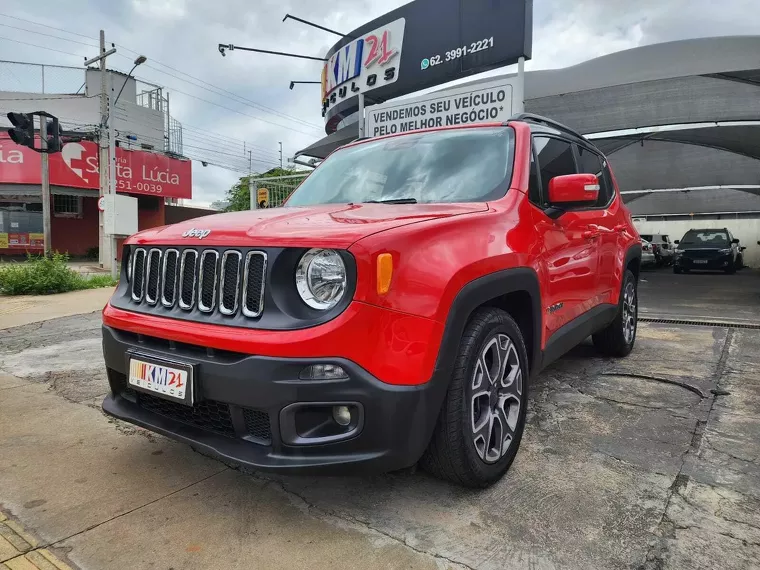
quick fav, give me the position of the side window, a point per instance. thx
(534, 184)
(592, 163)
(555, 158)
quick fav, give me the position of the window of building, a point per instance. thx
(555, 158)
(67, 206)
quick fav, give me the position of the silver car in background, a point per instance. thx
(647, 253)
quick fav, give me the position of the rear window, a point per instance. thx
(461, 165)
(647, 237)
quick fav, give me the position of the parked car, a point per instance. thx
(392, 312)
(647, 253)
(707, 249)
(661, 247)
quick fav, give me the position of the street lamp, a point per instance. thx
(112, 149)
(139, 61)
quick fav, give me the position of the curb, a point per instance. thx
(19, 550)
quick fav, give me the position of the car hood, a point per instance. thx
(332, 225)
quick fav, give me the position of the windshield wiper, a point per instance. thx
(393, 201)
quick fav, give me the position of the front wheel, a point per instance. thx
(480, 425)
(617, 338)
(731, 269)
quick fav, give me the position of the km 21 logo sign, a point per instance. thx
(363, 65)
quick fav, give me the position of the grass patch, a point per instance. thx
(45, 275)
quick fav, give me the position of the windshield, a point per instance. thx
(705, 238)
(462, 165)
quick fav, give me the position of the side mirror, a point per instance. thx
(571, 190)
(575, 189)
(742, 248)
(735, 240)
(679, 241)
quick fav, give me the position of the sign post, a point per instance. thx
(45, 174)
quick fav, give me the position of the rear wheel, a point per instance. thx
(676, 270)
(480, 425)
(617, 338)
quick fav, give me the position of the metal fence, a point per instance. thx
(271, 192)
(38, 78)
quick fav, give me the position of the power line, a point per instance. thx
(41, 47)
(45, 26)
(216, 90)
(48, 35)
(175, 90)
(251, 102)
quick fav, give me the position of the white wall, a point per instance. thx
(80, 112)
(748, 232)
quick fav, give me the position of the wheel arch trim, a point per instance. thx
(479, 292)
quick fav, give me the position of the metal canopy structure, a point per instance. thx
(670, 116)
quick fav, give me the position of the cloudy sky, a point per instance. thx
(245, 97)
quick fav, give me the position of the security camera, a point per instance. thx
(292, 84)
(204, 163)
(222, 47)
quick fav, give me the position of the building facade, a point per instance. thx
(149, 161)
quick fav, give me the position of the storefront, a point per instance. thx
(74, 181)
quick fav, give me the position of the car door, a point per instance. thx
(568, 258)
(605, 221)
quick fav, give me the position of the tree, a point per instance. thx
(239, 196)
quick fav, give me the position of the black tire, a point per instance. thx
(612, 340)
(676, 270)
(453, 453)
(731, 269)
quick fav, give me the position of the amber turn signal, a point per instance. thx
(384, 273)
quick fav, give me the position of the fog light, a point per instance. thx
(341, 415)
(322, 372)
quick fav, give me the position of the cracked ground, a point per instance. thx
(649, 462)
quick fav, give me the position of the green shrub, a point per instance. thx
(44, 275)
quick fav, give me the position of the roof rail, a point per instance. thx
(545, 121)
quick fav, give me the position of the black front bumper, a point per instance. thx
(244, 409)
(717, 263)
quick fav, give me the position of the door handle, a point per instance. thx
(620, 228)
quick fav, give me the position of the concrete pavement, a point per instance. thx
(25, 309)
(649, 462)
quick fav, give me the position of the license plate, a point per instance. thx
(169, 380)
(700, 261)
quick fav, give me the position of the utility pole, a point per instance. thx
(105, 254)
(112, 178)
(280, 156)
(250, 163)
(103, 245)
(47, 244)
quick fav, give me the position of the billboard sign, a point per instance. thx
(442, 40)
(483, 103)
(76, 166)
(365, 64)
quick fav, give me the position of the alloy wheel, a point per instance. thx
(496, 398)
(629, 313)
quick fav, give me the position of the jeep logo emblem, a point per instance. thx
(200, 234)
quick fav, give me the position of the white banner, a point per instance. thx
(491, 102)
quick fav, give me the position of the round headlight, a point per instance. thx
(321, 278)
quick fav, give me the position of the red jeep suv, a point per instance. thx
(391, 313)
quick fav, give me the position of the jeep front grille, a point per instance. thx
(253, 283)
(138, 275)
(153, 273)
(208, 280)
